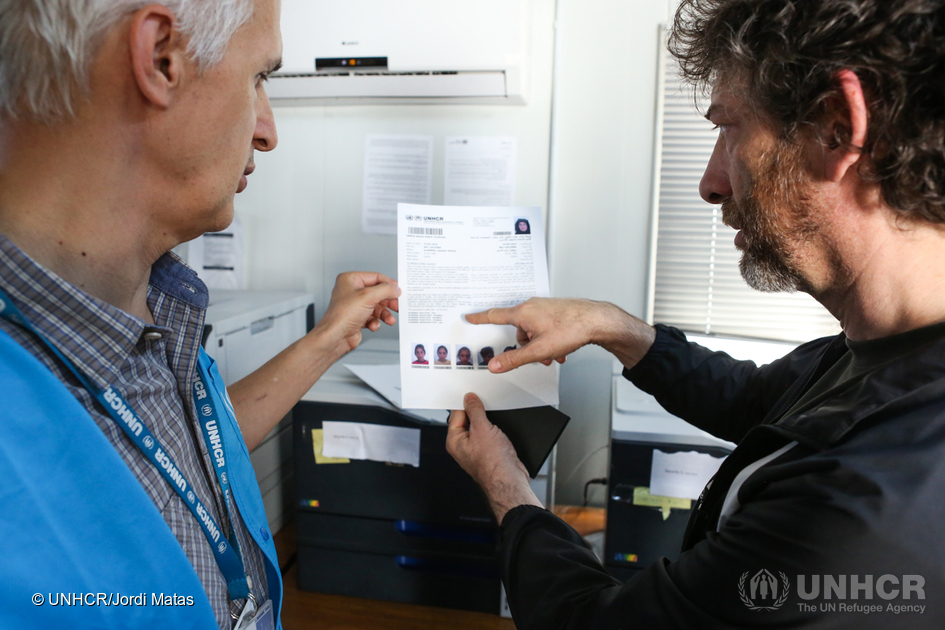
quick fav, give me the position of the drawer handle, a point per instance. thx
(261, 325)
(458, 534)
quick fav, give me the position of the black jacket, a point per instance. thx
(856, 499)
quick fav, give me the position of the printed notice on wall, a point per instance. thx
(480, 171)
(217, 257)
(397, 169)
(458, 260)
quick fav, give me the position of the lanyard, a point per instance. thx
(210, 425)
(227, 555)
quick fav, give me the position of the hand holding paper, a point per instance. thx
(489, 457)
(359, 300)
(261, 399)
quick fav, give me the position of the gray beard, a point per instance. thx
(767, 274)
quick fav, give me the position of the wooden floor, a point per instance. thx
(303, 609)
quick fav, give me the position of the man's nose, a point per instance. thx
(715, 186)
(265, 137)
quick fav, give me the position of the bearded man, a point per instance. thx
(830, 163)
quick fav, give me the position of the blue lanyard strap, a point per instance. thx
(227, 555)
(210, 425)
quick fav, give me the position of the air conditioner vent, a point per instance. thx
(438, 85)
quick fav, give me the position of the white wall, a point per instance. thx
(605, 99)
(302, 210)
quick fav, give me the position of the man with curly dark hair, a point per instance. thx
(830, 163)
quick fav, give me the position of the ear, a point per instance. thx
(158, 53)
(847, 122)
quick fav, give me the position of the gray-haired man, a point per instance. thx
(126, 128)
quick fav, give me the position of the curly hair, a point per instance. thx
(788, 52)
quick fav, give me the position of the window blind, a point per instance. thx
(695, 283)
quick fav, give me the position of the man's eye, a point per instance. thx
(722, 128)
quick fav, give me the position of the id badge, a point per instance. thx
(257, 619)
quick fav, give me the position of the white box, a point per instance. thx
(247, 328)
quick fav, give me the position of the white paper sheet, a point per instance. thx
(376, 442)
(397, 169)
(453, 261)
(683, 474)
(217, 257)
(480, 171)
(385, 380)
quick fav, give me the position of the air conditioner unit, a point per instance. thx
(394, 51)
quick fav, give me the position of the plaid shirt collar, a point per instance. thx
(94, 335)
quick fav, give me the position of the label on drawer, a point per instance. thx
(375, 442)
(642, 496)
(318, 444)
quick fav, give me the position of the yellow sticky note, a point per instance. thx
(642, 496)
(318, 442)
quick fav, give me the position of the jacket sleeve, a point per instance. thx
(807, 518)
(713, 391)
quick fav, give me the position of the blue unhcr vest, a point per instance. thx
(81, 544)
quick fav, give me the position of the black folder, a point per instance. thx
(533, 432)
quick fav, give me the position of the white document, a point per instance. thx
(683, 475)
(376, 442)
(384, 379)
(217, 257)
(480, 171)
(453, 261)
(397, 169)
